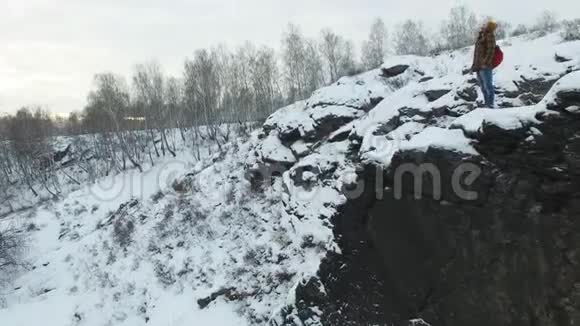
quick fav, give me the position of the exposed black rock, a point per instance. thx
(339, 136)
(560, 58)
(393, 71)
(565, 99)
(508, 256)
(372, 104)
(425, 79)
(307, 175)
(262, 175)
(530, 98)
(472, 81)
(230, 294)
(427, 114)
(353, 283)
(435, 94)
(529, 91)
(468, 93)
(538, 86)
(59, 155)
(387, 126)
(419, 72)
(327, 124)
(460, 110)
(510, 94)
(289, 135)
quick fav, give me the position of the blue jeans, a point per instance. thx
(485, 78)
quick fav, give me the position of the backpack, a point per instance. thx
(497, 57)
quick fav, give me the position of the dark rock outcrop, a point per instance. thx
(560, 58)
(435, 112)
(393, 71)
(289, 135)
(468, 93)
(507, 256)
(435, 94)
(230, 294)
(326, 124)
(535, 86)
(59, 155)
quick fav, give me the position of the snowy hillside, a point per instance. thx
(219, 242)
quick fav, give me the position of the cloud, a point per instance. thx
(50, 49)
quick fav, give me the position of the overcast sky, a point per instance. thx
(50, 49)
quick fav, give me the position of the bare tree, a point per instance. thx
(202, 94)
(348, 64)
(238, 100)
(460, 29)
(149, 85)
(374, 49)
(7, 164)
(410, 38)
(11, 245)
(294, 58)
(313, 68)
(28, 133)
(521, 29)
(110, 98)
(330, 47)
(547, 22)
(73, 124)
(265, 83)
(174, 102)
(337, 54)
(571, 30)
(503, 30)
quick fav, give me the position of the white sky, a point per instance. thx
(50, 49)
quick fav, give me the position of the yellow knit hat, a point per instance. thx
(491, 25)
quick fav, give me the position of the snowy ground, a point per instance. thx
(94, 263)
(144, 248)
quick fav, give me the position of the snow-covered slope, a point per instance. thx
(140, 248)
(228, 241)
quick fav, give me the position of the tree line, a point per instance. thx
(220, 85)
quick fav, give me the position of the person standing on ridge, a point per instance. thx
(483, 61)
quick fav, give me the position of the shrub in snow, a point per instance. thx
(79, 210)
(396, 82)
(571, 30)
(31, 227)
(123, 231)
(503, 29)
(168, 211)
(521, 29)
(156, 197)
(355, 70)
(11, 245)
(547, 22)
(182, 186)
(164, 274)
